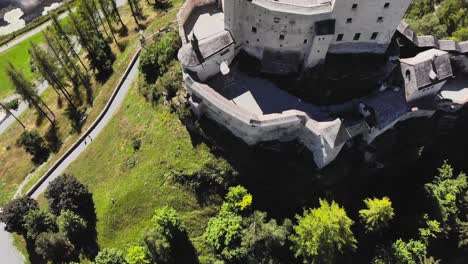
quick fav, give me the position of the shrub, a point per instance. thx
(54, 247)
(216, 175)
(110, 256)
(39, 221)
(13, 104)
(71, 225)
(170, 82)
(137, 255)
(67, 193)
(136, 144)
(14, 212)
(377, 214)
(154, 59)
(35, 145)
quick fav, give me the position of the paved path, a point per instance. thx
(22, 106)
(8, 251)
(38, 29)
(93, 133)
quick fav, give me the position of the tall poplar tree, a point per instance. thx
(26, 90)
(49, 70)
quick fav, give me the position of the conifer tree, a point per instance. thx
(49, 70)
(63, 35)
(27, 92)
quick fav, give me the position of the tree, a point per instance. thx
(8, 111)
(37, 222)
(110, 256)
(265, 240)
(428, 25)
(137, 255)
(237, 199)
(66, 193)
(445, 190)
(71, 225)
(322, 234)
(14, 212)
(35, 145)
(50, 71)
(63, 35)
(377, 215)
(54, 247)
(25, 89)
(223, 234)
(408, 252)
(134, 10)
(116, 14)
(104, 6)
(167, 241)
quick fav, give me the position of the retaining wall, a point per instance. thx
(251, 128)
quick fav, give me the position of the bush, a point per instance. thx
(54, 247)
(136, 144)
(110, 256)
(67, 193)
(137, 255)
(154, 59)
(39, 221)
(216, 175)
(13, 104)
(14, 212)
(170, 82)
(35, 145)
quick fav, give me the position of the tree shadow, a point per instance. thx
(171, 249)
(122, 45)
(123, 31)
(32, 255)
(53, 141)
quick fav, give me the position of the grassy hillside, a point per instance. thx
(128, 185)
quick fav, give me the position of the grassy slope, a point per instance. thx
(137, 190)
(15, 162)
(19, 56)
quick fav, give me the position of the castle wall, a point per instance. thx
(253, 129)
(257, 29)
(368, 17)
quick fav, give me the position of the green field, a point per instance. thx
(128, 185)
(19, 56)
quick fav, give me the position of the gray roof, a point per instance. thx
(432, 60)
(388, 106)
(208, 47)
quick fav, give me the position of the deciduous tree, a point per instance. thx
(377, 215)
(14, 212)
(323, 234)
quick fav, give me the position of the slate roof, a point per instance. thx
(427, 63)
(387, 106)
(208, 48)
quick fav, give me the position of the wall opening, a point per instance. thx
(357, 36)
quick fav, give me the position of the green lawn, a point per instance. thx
(128, 185)
(19, 56)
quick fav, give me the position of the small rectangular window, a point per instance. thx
(339, 37)
(254, 29)
(380, 19)
(305, 41)
(281, 37)
(357, 36)
(354, 6)
(349, 21)
(386, 5)
(374, 35)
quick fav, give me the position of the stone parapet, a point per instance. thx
(184, 14)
